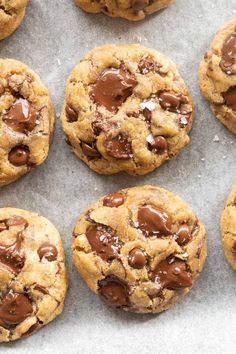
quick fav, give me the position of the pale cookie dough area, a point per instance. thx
(228, 228)
(26, 120)
(11, 15)
(126, 109)
(133, 10)
(140, 249)
(217, 75)
(33, 279)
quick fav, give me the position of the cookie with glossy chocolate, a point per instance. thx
(140, 249)
(217, 75)
(26, 120)
(33, 279)
(12, 13)
(126, 109)
(228, 228)
(133, 10)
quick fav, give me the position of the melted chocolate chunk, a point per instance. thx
(137, 258)
(14, 309)
(138, 5)
(228, 54)
(100, 125)
(19, 155)
(148, 64)
(113, 87)
(103, 241)
(171, 102)
(21, 117)
(13, 221)
(230, 98)
(71, 114)
(153, 221)
(113, 200)
(172, 273)
(158, 145)
(119, 147)
(11, 256)
(183, 235)
(114, 291)
(90, 150)
(48, 251)
(32, 329)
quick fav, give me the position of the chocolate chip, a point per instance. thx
(230, 97)
(199, 250)
(154, 290)
(103, 241)
(90, 151)
(21, 117)
(47, 251)
(32, 329)
(100, 125)
(14, 309)
(112, 88)
(113, 200)
(137, 258)
(119, 147)
(153, 221)
(158, 145)
(17, 221)
(147, 115)
(183, 235)
(71, 114)
(11, 256)
(19, 155)
(138, 5)
(172, 273)
(171, 102)
(228, 54)
(148, 64)
(114, 291)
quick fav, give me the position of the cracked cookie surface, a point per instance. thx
(33, 279)
(228, 228)
(11, 15)
(217, 75)
(26, 120)
(140, 249)
(126, 109)
(133, 10)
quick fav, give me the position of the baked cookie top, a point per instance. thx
(26, 120)
(228, 228)
(133, 10)
(140, 248)
(11, 15)
(33, 279)
(126, 109)
(217, 75)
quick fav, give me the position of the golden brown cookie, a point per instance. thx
(140, 249)
(33, 279)
(126, 109)
(26, 120)
(11, 15)
(228, 228)
(133, 10)
(217, 75)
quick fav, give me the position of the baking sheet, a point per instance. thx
(53, 38)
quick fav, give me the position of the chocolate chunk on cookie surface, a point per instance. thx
(141, 254)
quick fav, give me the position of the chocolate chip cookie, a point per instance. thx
(133, 10)
(217, 75)
(140, 249)
(228, 228)
(12, 13)
(33, 278)
(26, 120)
(126, 109)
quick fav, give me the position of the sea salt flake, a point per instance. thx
(150, 105)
